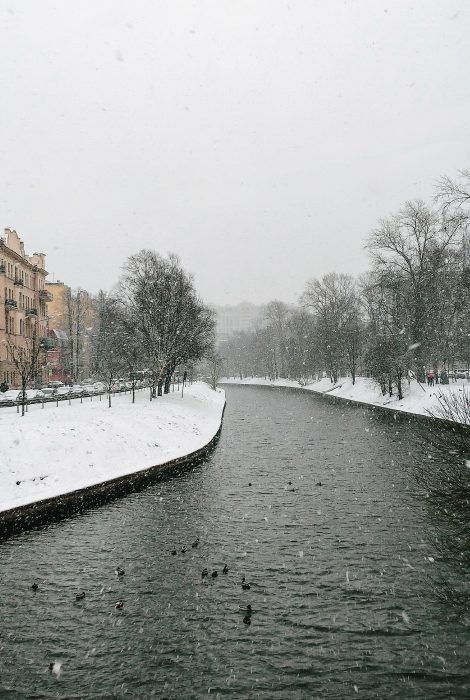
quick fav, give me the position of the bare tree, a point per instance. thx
(78, 305)
(108, 361)
(26, 358)
(173, 324)
(334, 304)
(276, 315)
(411, 249)
(454, 195)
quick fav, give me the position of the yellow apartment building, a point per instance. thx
(23, 303)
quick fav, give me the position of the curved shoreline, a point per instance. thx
(29, 516)
(397, 412)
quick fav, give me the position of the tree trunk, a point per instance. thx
(160, 387)
(399, 384)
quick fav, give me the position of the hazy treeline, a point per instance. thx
(408, 313)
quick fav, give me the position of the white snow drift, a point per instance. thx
(56, 450)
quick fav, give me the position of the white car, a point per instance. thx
(49, 392)
(63, 391)
(11, 396)
(34, 395)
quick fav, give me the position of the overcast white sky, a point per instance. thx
(258, 139)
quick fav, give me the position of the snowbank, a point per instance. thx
(56, 450)
(418, 399)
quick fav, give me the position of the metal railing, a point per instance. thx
(66, 397)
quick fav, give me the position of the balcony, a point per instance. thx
(47, 344)
(31, 312)
(18, 282)
(11, 304)
(45, 295)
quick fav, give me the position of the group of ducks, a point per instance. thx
(81, 594)
(214, 574)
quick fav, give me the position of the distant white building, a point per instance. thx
(241, 317)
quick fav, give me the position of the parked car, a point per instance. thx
(11, 397)
(55, 385)
(62, 391)
(34, 395)
(49, 393)
(95, 389)
(76, 390)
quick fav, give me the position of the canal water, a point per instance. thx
(314, 503)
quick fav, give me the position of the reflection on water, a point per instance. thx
(342, 575)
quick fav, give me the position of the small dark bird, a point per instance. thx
(173, 551)
(35, 586)
(214, 574)
(247, 619)
(249, 484)
(291, 489)
(119, 605)
(195, 543)
(247, 609)
(51, 666)
(245, 586)
(318, 483)
(119, 571)
(80, 596)
(204, 572)
(290, 483)
(183, 551)
(225, 569)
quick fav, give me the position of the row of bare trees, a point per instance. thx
(154, 321)
(408, 314)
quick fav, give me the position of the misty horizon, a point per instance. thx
(261, 142)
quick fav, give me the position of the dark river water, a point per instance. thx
(345, 578)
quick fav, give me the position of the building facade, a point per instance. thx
(241, 317)
(72, 318)
(23, 306)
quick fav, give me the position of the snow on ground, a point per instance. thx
(417, 399)
(58, 449)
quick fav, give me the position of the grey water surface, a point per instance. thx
(345, 578)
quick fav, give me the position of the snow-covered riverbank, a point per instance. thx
(418, 399)
(56, 450)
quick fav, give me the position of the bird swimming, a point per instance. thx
(195, 543)
(225, 569)
(80, 596)
(204, 572)
(119, 571)
(35, 586)
(214, 574)
(183, 551)
(119, 604)
(173, 551)
(245, 586)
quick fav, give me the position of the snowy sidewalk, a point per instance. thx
(57, 450)
(418, 399)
